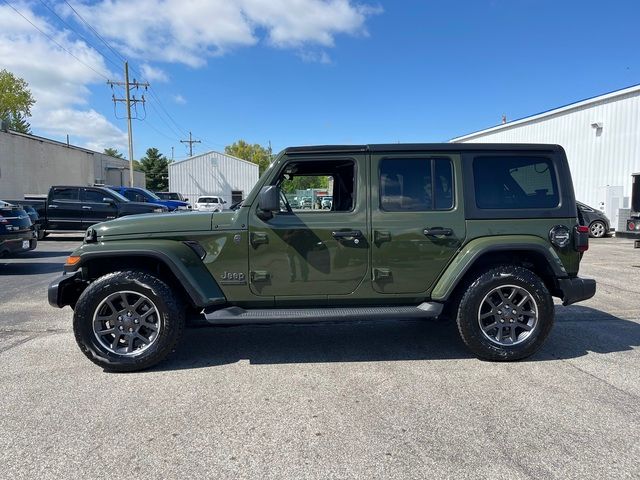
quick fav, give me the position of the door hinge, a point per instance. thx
(259, 276)
(382, 274)
(381, 236)
(258, 238)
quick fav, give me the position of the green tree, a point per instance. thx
(304, 182)
(255, 153)
(156, 170)
(15, 101)
(113, 152)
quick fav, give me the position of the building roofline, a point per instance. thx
(554, 111)
(175, 162)
(56, 142)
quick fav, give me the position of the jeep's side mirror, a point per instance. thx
(269, 200)
(108, 200)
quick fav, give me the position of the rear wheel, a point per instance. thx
(505, 314)
(597, 229)
(127, 321)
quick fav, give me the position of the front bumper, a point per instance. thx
(576, 289)
(66, 289)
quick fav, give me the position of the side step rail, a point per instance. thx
(240, 316)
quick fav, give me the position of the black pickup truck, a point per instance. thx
(74, 208)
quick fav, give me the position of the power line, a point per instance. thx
(46, 5)
(129, 101)
(190, 142)
(95, 32)
(54, 41)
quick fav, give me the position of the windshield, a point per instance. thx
(117, 195)
(149, 193)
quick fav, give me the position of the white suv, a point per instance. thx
(209, 204)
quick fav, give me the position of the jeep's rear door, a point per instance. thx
(305, 252)
(417, 218)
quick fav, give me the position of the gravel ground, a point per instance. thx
(393, 400)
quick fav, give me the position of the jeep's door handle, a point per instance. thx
(52, 206)
(346, 235)
(86, 207)
(437, 232)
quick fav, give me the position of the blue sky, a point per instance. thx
(309, 72)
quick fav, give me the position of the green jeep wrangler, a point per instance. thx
(484, 234)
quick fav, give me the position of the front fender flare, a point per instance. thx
(473, 250)
(180, 259)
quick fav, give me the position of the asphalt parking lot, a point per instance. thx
(389, 399)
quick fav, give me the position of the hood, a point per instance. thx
(174, 203)
(154, 223)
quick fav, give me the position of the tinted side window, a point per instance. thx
(95, 196)
(515, 182)
(66, 193)
(416, 184)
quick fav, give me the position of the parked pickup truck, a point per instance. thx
(69, 208)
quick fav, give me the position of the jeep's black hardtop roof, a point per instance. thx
(415, 147)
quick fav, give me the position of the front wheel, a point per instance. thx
(505, 314)
(128, 321)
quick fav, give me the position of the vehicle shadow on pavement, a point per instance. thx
(578, 330)
(386, 340)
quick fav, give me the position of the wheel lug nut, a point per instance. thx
(128, 314)
(130, 329)
(136, 321)
(121, 327)
(514, 312)
(511, 320)
(502, 320)
(499, 312)
(120, 318)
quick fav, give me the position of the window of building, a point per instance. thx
(515, 182)
(416, 184)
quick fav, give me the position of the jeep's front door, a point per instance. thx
(302, 252)
(417, 219)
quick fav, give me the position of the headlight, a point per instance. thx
(560, 236)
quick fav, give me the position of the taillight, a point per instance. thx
(631, 226)
(581, 238)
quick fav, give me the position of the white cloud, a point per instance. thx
(190, 31)
(59, 83)
(179, 99)
(153, 74)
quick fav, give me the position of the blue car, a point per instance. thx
(138, 194)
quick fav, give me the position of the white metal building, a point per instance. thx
(601, 136)
(213, 173)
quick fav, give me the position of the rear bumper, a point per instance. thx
(576, 289)
(65, 289)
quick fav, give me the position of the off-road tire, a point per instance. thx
(171, 313)
(469, 306)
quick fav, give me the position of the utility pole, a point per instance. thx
(172, 154)
(190, 142)
(128, 100)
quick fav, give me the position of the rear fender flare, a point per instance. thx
(472, 251)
